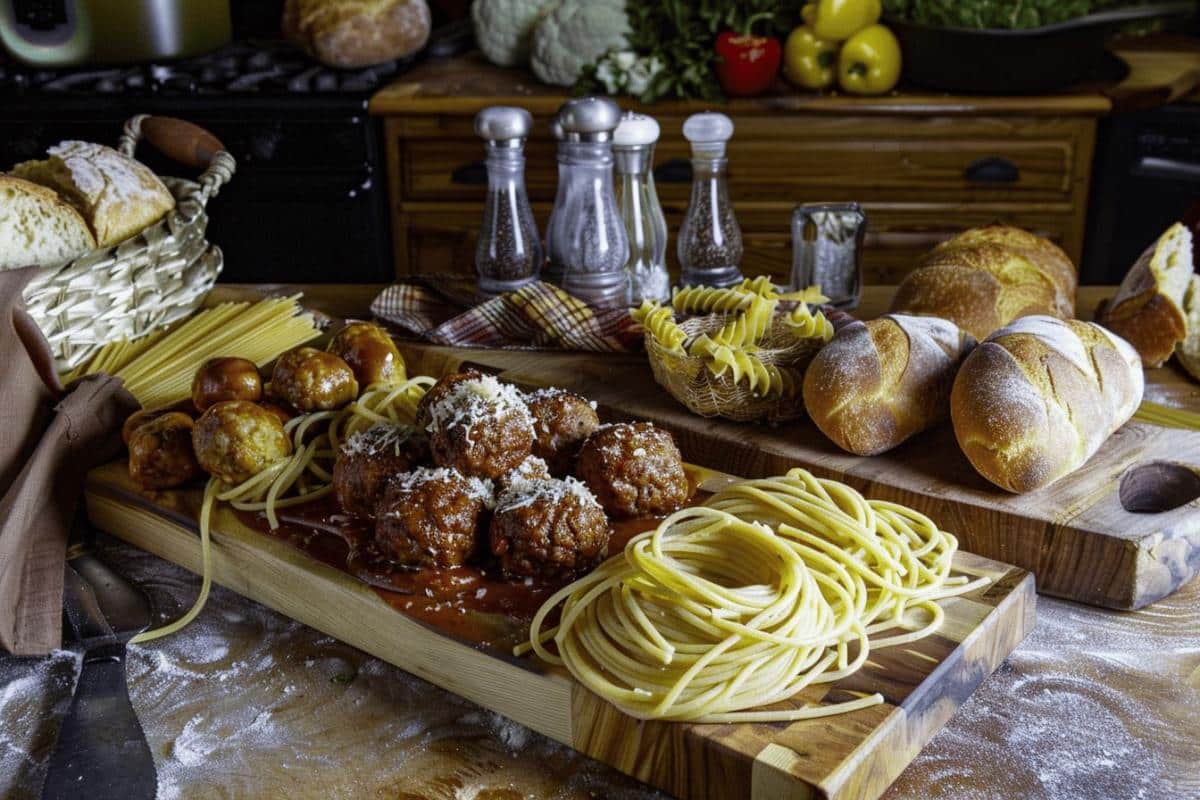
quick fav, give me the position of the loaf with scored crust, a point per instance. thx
(1037, 399)
(876, 384)
(117, 195)
(986, 277)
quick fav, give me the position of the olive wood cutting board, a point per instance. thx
(1098, 536)
(853, 755)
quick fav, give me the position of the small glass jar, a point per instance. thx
(587, 240)
(827, 242)
(710, 240)
(509, 252)
(645, 225)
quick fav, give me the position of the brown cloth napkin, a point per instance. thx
(45, 452)
(444, 309)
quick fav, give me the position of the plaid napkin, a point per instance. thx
(446, 310)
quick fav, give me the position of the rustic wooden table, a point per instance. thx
(245, 703)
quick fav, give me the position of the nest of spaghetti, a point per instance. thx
(739, 352)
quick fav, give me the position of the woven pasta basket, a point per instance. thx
(152, 279)
(690, 380)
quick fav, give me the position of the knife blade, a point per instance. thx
(102, 751)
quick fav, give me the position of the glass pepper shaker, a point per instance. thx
(645, 225)
(509, 252)
(710, 241)
(588, 244)
(550, 272)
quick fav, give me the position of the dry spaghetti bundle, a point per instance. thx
(158, 369)
(773, 586)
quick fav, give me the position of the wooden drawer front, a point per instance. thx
(443, 240)
(796, 170)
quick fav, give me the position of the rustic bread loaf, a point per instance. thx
(117, 195)
(37, 227)
(986, 277)
(1148, 309)
(878, 383)
(357, 33)
(1038, 398)
(1188, 351)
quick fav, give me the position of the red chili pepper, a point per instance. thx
(748, 64)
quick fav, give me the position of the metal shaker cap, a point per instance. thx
(589, 119)
(503, 123)
(636, 130)
(708, 132)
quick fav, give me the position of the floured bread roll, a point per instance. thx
(117, 195)
(37, 227)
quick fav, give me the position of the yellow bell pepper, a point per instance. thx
(870, 61)
(808, 61)
(840, 19)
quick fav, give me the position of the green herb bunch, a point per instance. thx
(1006, 14)
(682, 34)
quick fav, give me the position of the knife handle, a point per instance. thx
(101, 745)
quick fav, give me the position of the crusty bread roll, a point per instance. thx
(1148, 309)
(117, 195)
(1188, 351)
(878, 383)
(986, 277)
(1038, 398)
(37, 227)
(357, 33)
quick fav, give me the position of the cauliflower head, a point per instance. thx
(575, 34)
(504, 28)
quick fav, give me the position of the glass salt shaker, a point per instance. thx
(710, 241)
(509, 252)
(588, 244)
(645, 225)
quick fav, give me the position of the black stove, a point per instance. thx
(309, 200)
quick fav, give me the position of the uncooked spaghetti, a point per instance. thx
(158, 369)
(1167, 417)
(772, 587)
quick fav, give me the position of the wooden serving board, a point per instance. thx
(854, 755)
(1076, 535)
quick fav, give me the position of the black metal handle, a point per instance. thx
(675, 170)
(992, 170)
(473, 174)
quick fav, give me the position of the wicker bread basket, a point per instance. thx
(691, 382)
(149, 280)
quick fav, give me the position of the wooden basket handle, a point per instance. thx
(181, 141)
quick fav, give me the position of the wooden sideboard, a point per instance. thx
(924, 166)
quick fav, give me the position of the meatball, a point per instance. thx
(531, 469)
(368, 461)
(634, 469)
(226, 379)
(309, 379)
(480, 427)
(548, 528)
(160, 452)
(235, 440)
(440, 390)
(561, 422)
(369, 352)
(136, 420)
(432, 518)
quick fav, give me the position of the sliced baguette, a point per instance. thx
(1148, 309)
(1188, 351)
(37, 227)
